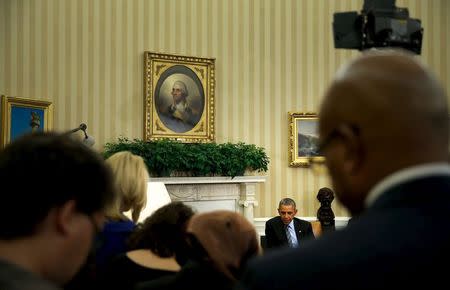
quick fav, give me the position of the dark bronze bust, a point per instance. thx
(325, 213)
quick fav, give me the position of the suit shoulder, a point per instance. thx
(273, 220)
(304, 222)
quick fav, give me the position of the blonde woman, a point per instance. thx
(130, 180)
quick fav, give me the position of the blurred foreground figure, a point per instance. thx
(153, 246)
(53, 206)
(218, 245)
(383, 128)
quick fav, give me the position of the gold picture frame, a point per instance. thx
(21, 115)
(179, 97)
(303, 137)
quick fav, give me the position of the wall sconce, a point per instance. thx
(87, 140)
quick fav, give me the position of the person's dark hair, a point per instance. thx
(194, 249)
(43, 171)
(164, 231)
(286, 202)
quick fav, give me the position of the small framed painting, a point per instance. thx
(20, 116)
(303, 139)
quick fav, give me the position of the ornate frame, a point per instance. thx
(20, 115)
(304, 153)
(162, 119)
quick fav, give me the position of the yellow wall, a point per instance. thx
(272, 56)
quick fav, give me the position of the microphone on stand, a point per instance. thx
(87, 140)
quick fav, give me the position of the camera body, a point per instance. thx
(380, 24)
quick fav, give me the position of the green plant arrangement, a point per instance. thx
(171, 158)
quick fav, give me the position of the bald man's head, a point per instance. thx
(383, 112)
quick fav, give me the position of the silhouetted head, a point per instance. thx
(384, 111)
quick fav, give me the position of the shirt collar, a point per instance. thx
(404, 175)
(291, 224)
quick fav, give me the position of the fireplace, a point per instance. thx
(212, 193)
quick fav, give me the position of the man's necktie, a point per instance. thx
(289, 237)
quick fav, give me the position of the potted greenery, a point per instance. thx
(172, 158)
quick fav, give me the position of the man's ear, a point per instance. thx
(353, 148)
(65, 216)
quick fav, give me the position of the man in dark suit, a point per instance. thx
(286, 229)
(384, 133)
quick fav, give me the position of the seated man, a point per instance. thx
(286, 229)
(52, 209)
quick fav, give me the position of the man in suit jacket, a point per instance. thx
(278, 228)
(384, 133)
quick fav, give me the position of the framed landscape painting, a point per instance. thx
(179, 97)
(303, 139)
(20, 116)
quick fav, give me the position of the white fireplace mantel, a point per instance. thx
(212, 193)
